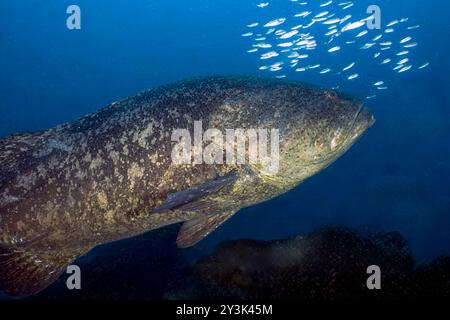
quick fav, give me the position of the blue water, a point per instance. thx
(396, 178)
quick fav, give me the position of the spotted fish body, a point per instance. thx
(110, 175)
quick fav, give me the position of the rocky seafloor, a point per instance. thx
(327, 264)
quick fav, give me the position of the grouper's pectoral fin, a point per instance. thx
(212, 203)
(194, 199)
(192, 231)
(25, 271)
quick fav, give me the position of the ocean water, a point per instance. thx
(397, 178)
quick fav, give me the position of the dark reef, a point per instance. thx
(328, 264)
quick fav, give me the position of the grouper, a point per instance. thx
(111, 175)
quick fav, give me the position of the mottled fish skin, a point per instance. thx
(102, 178)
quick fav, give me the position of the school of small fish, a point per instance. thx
(291, 43)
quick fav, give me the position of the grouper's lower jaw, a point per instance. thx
(363, 121)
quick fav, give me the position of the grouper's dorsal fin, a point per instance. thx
(192, 231)
(193, 199)
(25, 271)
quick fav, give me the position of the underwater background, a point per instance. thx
(397, 178)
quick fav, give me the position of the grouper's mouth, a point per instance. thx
(362, 121)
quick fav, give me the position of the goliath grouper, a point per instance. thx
(111, 175)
